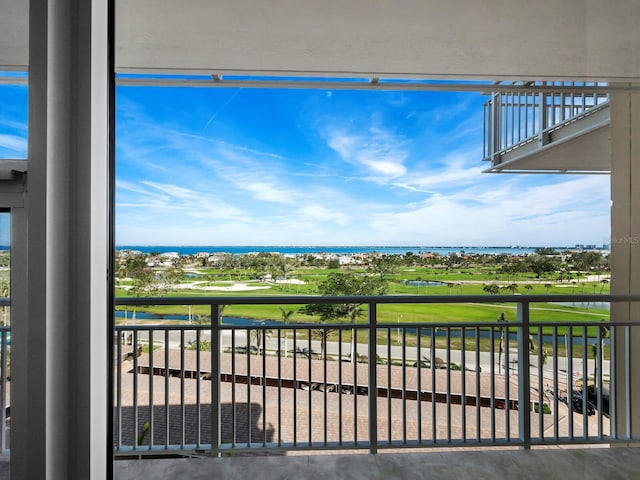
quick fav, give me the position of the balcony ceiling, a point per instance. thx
(590, 153)
(491, 39)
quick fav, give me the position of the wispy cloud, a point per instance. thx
(396, 171)
(513, 213)
(13, 142)
(269, 193)
(322, 214)
(15, 125)
(159, 198)
(380, 152)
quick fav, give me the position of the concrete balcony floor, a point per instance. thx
(549, 463)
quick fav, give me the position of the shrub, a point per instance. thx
(205, 346)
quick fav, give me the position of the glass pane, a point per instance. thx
(5, 323)
(13, 116)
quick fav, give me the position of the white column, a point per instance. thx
(625, 251)
(60, 415)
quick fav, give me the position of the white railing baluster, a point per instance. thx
(524, 418)
(373, 379)
(215, 379)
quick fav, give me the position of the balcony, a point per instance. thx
(290, 388)
(547, 127)
(290, 397)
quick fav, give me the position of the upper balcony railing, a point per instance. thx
(515, 118)
(269, 386)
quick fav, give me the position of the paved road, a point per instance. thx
(486, 360)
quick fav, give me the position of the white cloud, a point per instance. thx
(267, 192)
(322, 214)
(562, 213)
(13, 142)
(159, 198)
(381, 152)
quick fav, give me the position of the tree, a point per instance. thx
(603, 282)
(383, 266)
(4, 293)
(167, 279)
(142, 277)
(491, 288)
(260, 334)
(343, 284)
(588, 260)
(285, 315)
(502, 319)
(283, 267)
(605, 332)
(545, 251)
(205, 319)
(333, 264)
(540, 265)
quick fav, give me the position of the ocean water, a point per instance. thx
(338, 250)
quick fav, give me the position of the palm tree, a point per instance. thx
(491, 288)
(502, 319)
(261, 334)
(605, 332)
(603, 282)
(322, 334)
(285, 315)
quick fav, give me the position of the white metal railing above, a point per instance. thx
(514, 118)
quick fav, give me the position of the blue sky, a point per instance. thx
(231, 166)
(248, 166)
(13, 136)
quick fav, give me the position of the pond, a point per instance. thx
(423, 283)
(588, 305)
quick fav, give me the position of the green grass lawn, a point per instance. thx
(465, 281)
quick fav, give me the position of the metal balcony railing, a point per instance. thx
(5, 377)
(513, 118)
(273, 387)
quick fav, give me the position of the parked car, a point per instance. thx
(578, 403)
(592, 392)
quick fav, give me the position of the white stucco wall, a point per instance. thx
(453, 38)
(489, 38)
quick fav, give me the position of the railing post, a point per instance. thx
(215, 380)
(543, 123)
(373, 381)
(496, 127)
(524, 376)
(613, 379)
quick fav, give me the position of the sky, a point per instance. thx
(13, 137)
(251, 166)
(248, 166)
